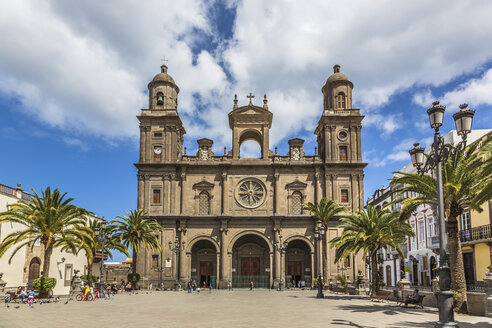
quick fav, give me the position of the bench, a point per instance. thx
(381, 295)
(419, 303)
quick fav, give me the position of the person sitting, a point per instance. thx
(412, 299)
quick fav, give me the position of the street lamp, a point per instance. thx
(281, 248)
(177, 248)
(103, 235)
(318, 235)
(440, 153)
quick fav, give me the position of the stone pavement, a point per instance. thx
(239, 308)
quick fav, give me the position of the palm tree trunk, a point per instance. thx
(46, 261)
(374, 274)
(134, 267)
(89, 269)
(325, 260)
(134, 262)
(458, 280)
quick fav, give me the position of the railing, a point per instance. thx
(26, 196)
(477, 233)
(7, 190)
(477, 286)
(244, 281)
(433, 241)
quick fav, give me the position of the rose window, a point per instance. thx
(250, 194)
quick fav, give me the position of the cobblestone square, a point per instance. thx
(238, 308)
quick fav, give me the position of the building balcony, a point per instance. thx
(476, 235)
(433, 242)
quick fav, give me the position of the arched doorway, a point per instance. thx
(433, 266)
(250, 262)
(298, 266)
(415, 272)
(204, 263)
(388, 276)
(34, 270)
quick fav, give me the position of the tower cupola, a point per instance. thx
(163, 91)
(337, 91)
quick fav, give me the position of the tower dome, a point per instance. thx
(337, 91)
(163, 91)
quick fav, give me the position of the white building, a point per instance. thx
(421, 251)
(26, 265)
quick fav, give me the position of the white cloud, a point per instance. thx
(423, 98)
(84, 66)
(474, 92)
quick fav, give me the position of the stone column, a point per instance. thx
(183, 274)
(277, 259)
(166, 194)
(271, 270)
(354, 187)
(181, 198)
(359, 147)
(142, 144)
(316, 183)
(328, 189)
(334, 187)
(141, 190)
(146, 193)
(333, 143)
(353, 144)
(218, 272)
(276, 176)
(172, 193)
(224, 193)
(225, 268)
(361, 191)
(312, 267)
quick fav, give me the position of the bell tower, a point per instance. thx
(339, 128)
(251, 122)
(161, 129)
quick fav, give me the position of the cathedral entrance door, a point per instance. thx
(206, 271)
(250, 266)
(294, 269)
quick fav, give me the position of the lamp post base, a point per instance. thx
(280, 285)
(446, 314)
(176, 286)
(320, 295)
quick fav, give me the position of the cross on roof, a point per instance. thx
(164, 60)
(250, 96)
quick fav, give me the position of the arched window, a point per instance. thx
(160, 98)
(341, 100)
(203, 203)
(296, 202)
(342, 154)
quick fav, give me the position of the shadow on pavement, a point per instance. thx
(342, 297)
(339, 322)
(432, 323)
(385, 309)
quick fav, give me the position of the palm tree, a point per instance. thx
(49, 219)
(325, 211)
(92, 244)
(467, 183)
(371, 231)
(136, 231)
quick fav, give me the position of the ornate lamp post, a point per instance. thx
(318, 235)
(440, 153)
(103, 235)
(281, 248)
(177, 248)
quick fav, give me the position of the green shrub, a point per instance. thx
(133, 278)
(342, 279)
(44, 284)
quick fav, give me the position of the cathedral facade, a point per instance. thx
(223, 216)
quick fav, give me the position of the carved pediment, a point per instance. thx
(296, 185)
(203, 185)
(251, 113)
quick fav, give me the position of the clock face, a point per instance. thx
(157, 150)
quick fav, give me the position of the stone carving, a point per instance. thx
(204, 154)
(250, 193)
(296, 154)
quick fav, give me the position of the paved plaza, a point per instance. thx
(241, 308)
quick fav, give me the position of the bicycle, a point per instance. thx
(81, 297)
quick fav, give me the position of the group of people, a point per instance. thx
(21, 294)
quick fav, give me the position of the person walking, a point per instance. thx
(210, 287)
(150, 286)
(251, 285)
(188, 286)
(194, 285)
(229, 285)
(30, 297)
(7, 299)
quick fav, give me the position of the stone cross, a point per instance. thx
(250, 96)
(164, 60)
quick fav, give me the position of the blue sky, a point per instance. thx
(73, 77)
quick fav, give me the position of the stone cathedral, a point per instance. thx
(226, 213)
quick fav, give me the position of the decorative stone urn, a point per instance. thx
(2, 283)
(488, 292)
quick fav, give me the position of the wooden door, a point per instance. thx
(34, 269)
(206, 268)
(294, 268)
(250, 266)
